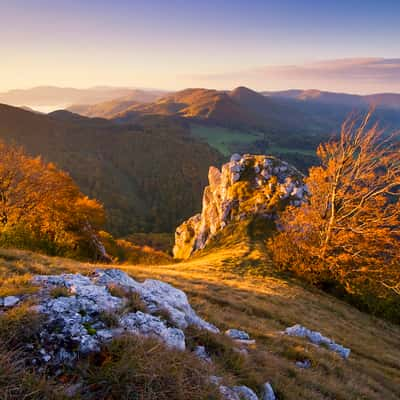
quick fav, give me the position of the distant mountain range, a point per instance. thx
(53, 96)
(389, 100)
(293, 110)
(241, 108)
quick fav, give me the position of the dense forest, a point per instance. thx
(148, 175)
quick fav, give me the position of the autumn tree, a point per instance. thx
(41, 207)
(349, 230)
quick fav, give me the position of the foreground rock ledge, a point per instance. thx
(77, 319)
(77, 306)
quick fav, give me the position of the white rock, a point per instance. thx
(157, 296)
(237, 334)
(317, 338)
(228, 393)
(10, 301)
(245, 393)
(305, 364)
(148, 325)
(117, 277)
(236, 157)
(268, 392)
(215, 380)
(74, 323)
(104, 334)
(201, 353)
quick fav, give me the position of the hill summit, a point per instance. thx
(247, 186)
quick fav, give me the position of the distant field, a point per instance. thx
(227, 141)
(286, 150)
(223, 138)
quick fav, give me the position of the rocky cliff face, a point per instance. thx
(246, 186)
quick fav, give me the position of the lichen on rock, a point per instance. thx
(246, 186)
(74, 322)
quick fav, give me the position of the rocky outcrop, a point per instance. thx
(77, 315)
(246, 186)
(78, 310)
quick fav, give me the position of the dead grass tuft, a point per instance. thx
(137, 368)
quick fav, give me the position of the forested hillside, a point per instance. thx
(149, 175)
(289, 124)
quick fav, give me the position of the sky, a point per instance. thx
(342, 45)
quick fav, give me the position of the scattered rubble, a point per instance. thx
(318, 339)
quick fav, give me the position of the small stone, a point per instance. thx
(305, 364)
(245, 393)
(236, 157)
(237, 334)
(240, 336)
(46, 358)
(215, 380)
(268, 392)
(228, 393)
(10, 301)
(201, 353)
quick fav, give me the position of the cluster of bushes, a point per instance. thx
(42, 209)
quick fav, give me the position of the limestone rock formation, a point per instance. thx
(246, 186)
(75, 319)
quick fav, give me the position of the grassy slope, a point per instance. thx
(264, 307)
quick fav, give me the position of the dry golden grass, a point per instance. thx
(264, 307)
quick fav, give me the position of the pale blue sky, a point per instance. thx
(175, 44)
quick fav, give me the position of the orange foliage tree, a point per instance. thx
(42, 208)
(349, 230)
